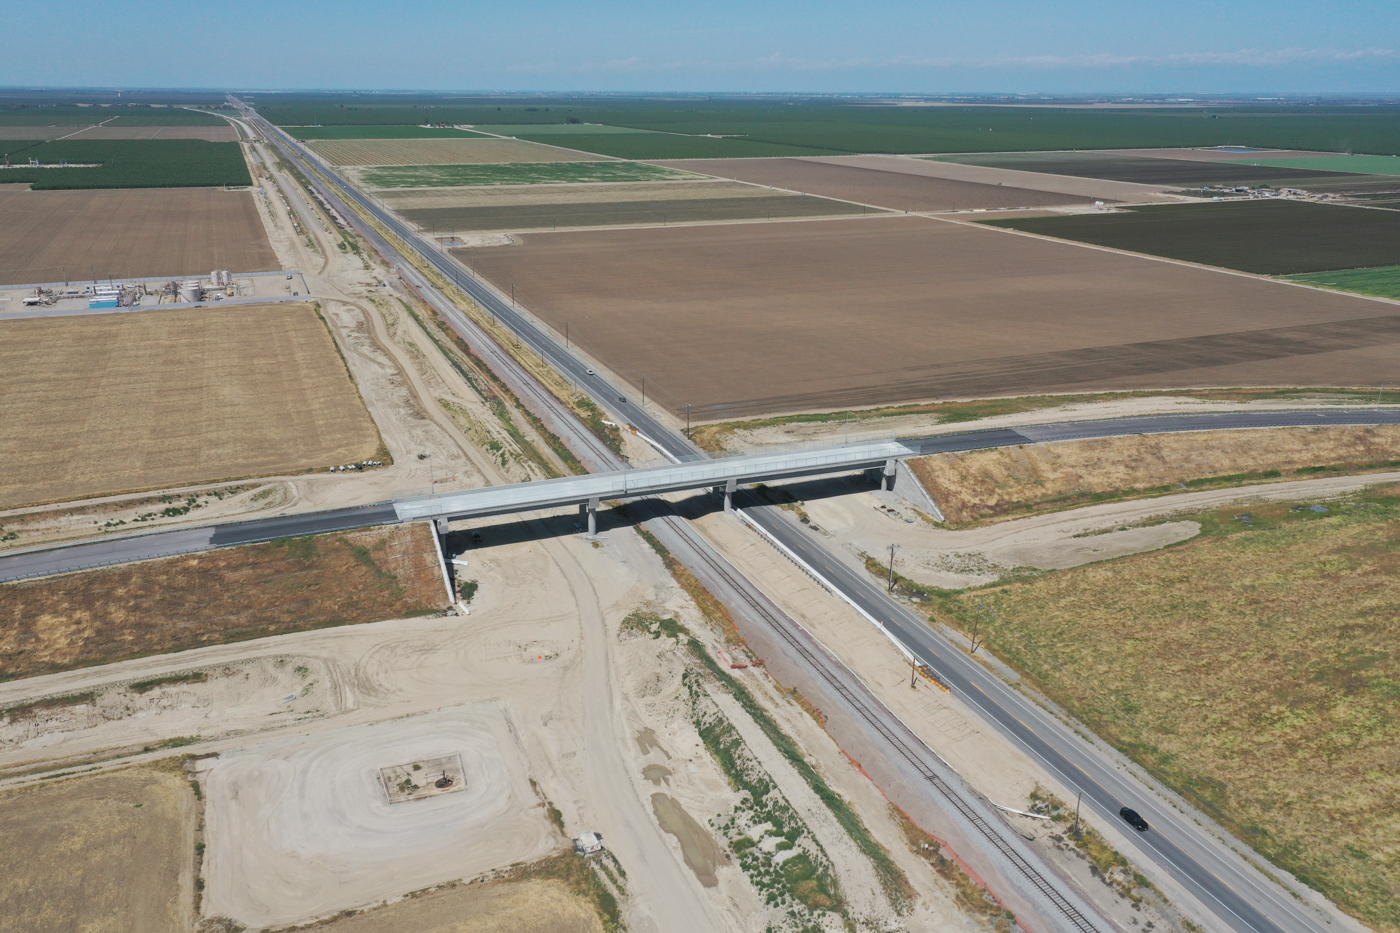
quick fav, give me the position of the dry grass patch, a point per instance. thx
(107, 852)
(986, 483)
(110, 403)
(546, 906)
(56, 236)
(441, 152)
(179, 603)
(1254, 669)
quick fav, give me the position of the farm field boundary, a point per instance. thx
(56, 236)
(698, 311)
(1271, 237)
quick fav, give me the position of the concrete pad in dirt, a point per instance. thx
(302, 828)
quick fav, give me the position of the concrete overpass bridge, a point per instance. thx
(724, 475)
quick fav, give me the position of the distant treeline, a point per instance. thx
(824, 126)
(126, 163)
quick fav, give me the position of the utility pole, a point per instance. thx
(512, 294)
(566, 335)
(893, 548)
(1379, 389)
(644, 392)
(1078, 798)
(913, 669)
(687, 421)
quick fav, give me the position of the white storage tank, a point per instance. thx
(191, 291)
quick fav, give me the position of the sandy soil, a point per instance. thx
(304, 829)
(1035, 181)
(104, 852)
(56, 236)
(441, 152)
(698, 310)
(140, 401)
(875, 184)
(956, 559)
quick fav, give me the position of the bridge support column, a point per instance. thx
(592, 517)
(729, 488)
(440, 526)
(887, 480)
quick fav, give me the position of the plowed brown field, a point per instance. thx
(890, 189)
(441, 152)
(740, 320)
(56, 236)
(214, 134)
(108, 403)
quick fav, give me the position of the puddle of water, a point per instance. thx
(656, 774)
(646, 741)
(698, 847)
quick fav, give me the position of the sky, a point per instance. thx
(1064, 47)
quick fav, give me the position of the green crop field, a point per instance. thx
(1270, 237)
(822, 124)
(671, 146)
(378, 132)
(112, 116)
(514, 173)
(1383, 282)
(559, 129)
(1149, 171)
(126, 163)
(1365, 165)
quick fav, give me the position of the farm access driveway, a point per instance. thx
(745, 319)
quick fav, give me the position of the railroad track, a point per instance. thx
(867, 707)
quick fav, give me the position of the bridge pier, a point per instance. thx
(729, 488)
(440, 526)
(592, 509)
(887, 479)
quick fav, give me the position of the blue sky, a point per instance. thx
(1072, 46)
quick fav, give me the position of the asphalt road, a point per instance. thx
(1241, 898)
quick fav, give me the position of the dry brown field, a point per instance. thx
(867, 185)
(106, 852)
(178, 603)
(985, 483)
(37, 132)
(109, 403)
(495, 907)
(441, 152)
(747, 319)
(55, 236)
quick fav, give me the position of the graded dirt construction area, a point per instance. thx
(106, 852)
(868, 185)
(494, 907)
(1140, 169)
(748, 319)
(123, 402)
(57, 236)
(304, 829)
(980, 484)
(230, 594)
(442, 152)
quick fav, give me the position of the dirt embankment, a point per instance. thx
(154, 607)
(987, 483)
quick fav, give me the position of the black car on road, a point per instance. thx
(1130, 816)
